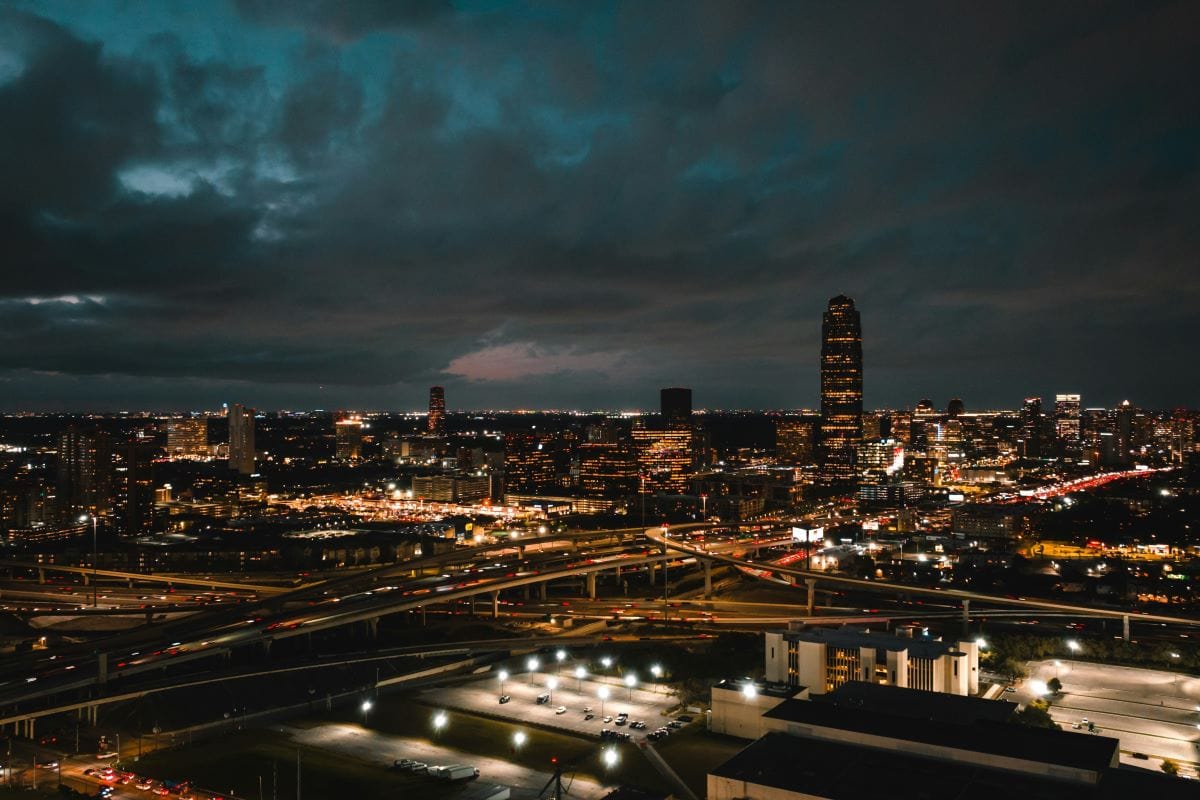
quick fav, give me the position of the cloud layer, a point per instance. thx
(336, 205)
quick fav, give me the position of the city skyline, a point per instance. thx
(291, 207)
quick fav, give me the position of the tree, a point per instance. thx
(1054, 685)
(1035, 715)
(1170, 767)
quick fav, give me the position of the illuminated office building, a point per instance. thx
(241, 439)
(841, 390)
(348, 439)
(529, 465)
(1029, 444)
(436, 424)
(187, 438)
(796, 440)
(607, 468)
(1067, 419)
(664, 458)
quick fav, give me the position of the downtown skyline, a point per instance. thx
(250, 202)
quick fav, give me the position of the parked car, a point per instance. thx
(542, 699)
(560, 710)
(504, 699)
(402, 763)
(586, 717)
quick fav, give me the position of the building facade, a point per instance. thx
(841, 390)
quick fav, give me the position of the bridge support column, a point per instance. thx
(495, 605)
(373, 628)
(591, 585)
(966, 617)
(422, 616)
(42, 576)
(543, 590)
(811, 583)
(525, 589)
(1125, 627)
(129, 583)
(102, 669)
(87, 579)
(707, 579)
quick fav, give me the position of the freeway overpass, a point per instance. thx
(88, 574)
(661, 538)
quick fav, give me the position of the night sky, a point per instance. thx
(324, 204)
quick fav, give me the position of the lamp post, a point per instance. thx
(95, 522)
(580, 673)
(503, 676)
(552, 684)
(531, 666)
(749, 691)
(631, 681)
(610, 757)
(560, 657)
(366, 710)
(519, 739)
(657, 672)
(602, 693)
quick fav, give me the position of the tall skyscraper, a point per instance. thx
(1030, 444)
(436, 425)
(241, 439)
(348, 439)
(1067, 420)
(676, 405)
(84, 474)
(841, 389)
(664, 457)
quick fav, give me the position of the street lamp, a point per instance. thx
(503, 676)
(531, 667)
(560, 657)
(610, 757)
(602, 693)
(631, 681)
(983, 645)
(439, 722)
(1074, 646)
(580, 674)
(366, 709)
(95, 522)
(552, 684)
(749, 691)
(519, 739)
(657, 672)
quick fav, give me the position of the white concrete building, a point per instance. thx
(822, 660)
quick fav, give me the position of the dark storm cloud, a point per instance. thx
(571, 205)
(342, 20)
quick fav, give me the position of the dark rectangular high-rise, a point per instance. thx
(676, 405)
(436, 425)
(841, 389)
(241, 439)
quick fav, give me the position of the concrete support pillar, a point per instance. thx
(102, 669)
(812, 594)
(373, 628)
(472, 605)
(87, 579)
(129, 583)
(42, 576)
(591, 585)
(1125, 627)
(544, 590)
(966, 617)
(618, 573)
(422, 616)
(525, 589)
(495, 605)
(707, 579)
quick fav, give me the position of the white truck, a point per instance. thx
(458, 772)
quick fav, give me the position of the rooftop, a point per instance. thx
(852, 772)
(1010, 740)
(917, 704)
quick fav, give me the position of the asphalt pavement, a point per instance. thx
(1153, 712)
